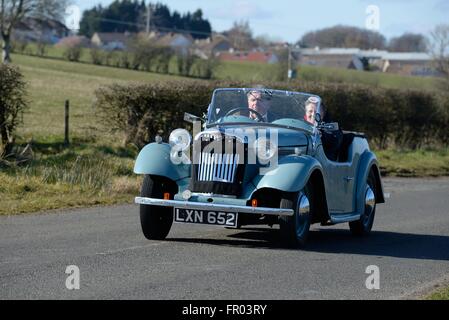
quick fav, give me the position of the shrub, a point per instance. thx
(73, 53)
(96, 56)
(204, 68)
(12, 105)
(185, 63)
(401, 118)
(41, 49)
(19, 46)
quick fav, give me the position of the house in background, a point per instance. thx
(408, 63)
(403, 63)
(178, 42)
(40, 30)
(212, 46)
(346, 58)
(71, 41)
(111, 40)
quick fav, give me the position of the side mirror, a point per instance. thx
(317, 118)
(192, 118)
(332, 126)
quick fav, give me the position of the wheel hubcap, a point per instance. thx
(370, 204)
(302, 216)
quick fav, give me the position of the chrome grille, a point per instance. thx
(218, 167)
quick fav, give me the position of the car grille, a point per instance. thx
(218, 172)
(218, 167)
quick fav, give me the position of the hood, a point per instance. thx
(286, 137)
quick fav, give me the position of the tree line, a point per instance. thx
(352, 37)
(132, 16)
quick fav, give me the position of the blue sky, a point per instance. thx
(289, 20)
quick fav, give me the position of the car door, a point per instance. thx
(338, 181)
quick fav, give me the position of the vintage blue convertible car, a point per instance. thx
(261, 157)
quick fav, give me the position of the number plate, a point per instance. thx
(218, 218)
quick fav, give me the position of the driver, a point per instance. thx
(260, 103)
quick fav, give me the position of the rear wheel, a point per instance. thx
(295, 229)
(364, 225)
(156, 221)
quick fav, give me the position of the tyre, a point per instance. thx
(295, 229)
(156, 221)
(364, 225)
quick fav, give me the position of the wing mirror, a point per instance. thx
(188, 117)
(332, 126)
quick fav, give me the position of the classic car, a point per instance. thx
(260, 157)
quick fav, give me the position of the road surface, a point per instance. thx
(409, 245)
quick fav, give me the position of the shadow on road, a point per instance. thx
(378, 243)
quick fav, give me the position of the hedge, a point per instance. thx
(13, 103)
(389, 117)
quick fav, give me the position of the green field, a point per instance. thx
(96, 169)
(254, 72)
(259, 72)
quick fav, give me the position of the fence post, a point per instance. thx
(66, 126)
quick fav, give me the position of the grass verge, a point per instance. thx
(84, 174)
(440, 294)
(414, 163)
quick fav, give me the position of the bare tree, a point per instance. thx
(241, 36)
(12, 12)
(440, 48)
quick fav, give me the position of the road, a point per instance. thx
(409, 244)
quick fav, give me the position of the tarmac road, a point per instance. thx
(409, 244)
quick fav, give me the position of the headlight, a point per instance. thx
(265, 149)
(180, 139)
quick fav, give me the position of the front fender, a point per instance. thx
(154, 159)
(291, 174)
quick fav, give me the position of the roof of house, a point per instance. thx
(407, 56)
(108, 37)
(209, 44)
(373, 54)
(73, 40)
(330, 51)
(165, 40)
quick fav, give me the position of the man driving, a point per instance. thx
(260, 103)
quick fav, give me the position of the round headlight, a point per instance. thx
(265, 149)
(180, 139)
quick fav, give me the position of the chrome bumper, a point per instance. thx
(213, 207)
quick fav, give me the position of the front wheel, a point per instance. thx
(295, 229)
(156, 221)
(364, 225)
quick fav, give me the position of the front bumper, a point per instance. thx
(213, 207)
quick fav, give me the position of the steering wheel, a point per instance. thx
(259, 116)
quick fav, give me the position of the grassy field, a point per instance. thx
(441, 294)
(418, 163)
(255, 72)
(95, 169)
(258, 72)
(51, 82)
